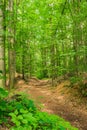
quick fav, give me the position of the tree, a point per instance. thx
(11, 38)
(2, 46)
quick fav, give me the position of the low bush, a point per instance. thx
(83, 88)
(20, 113)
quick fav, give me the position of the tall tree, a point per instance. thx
(11, 37)
(2, 52)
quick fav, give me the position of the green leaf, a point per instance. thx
(25, 121)
(20, 117)
(23, 111)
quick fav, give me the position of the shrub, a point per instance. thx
(22, 114)
(3, 105)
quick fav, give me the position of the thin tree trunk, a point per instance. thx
(4, 18)
(1, 45)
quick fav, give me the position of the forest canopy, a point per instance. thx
(45, 39)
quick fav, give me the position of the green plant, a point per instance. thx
(28, 117)
(3, 105)
(22, 114)
(83, 88)
(3, 93)
(74, 80)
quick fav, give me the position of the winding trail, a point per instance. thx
(54, 103)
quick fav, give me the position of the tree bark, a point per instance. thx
(2, 52)
(11, 51)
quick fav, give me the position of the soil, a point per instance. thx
(63, 101)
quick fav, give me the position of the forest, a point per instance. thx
(43, 65)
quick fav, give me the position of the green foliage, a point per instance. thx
(40, 121)
(81, 83)
(29, 117)
(75, 79)
(50, 37)
(3, 93)
(83, 88)
(21, 102)
(20, 113)
(3, 105)
(48, 34)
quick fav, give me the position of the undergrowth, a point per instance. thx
(81, 83)
(20, 113)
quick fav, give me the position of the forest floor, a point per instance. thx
(62, 101)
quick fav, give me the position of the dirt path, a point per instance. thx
(54, 102)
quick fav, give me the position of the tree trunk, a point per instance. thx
(11, 50)
(4, 18)
(2, 72)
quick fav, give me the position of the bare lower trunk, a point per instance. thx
(1, 65)
(1, 46)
